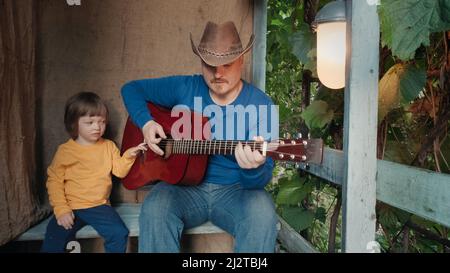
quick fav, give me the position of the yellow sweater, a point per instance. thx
(80, 176)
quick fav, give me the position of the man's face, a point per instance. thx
(223, 80)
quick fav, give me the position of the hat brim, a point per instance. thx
(214, 60)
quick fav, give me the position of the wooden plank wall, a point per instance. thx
(100, 45)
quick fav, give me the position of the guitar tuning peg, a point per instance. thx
(309, 135)
(299, 135)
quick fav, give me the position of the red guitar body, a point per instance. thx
(186, 149)
(183, 169)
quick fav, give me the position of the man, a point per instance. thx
(232, 194)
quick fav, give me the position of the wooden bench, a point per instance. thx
(130, 215)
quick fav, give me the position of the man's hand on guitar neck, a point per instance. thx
(150, 131)
(248, 159)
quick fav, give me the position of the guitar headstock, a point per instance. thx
(298, 150)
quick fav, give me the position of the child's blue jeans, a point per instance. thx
(248, 215)
(104, 219)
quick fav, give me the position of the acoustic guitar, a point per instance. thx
(185, 159)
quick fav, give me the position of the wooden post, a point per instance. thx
(259, 47)
(360, 127)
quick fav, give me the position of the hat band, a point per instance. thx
(219, 55)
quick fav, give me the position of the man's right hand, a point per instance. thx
(150, 130)
(66, 220)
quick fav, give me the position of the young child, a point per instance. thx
(79, 177)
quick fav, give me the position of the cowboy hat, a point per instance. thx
(220, 44)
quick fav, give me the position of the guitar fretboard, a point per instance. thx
(208, 147)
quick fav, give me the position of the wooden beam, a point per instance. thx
(360, 127)
(292, 240)
(421, 192)
(259, 47)
(332, 167)
(418, 191)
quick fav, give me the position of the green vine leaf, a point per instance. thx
(317, 114)
(290, 195)
(412, 83)
(302, 42)
(298, 218)
(293, 192)
(321, 214)
(407, 24)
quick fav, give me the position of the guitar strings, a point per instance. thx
(203, 147)
(196, 146)
(231, 142)
(192, 146)
(225, 152)
(222, 140)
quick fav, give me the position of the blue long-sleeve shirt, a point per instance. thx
(193, 92)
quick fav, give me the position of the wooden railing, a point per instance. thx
(418, 191)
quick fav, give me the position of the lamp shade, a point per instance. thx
(331, 50)
(330, 24)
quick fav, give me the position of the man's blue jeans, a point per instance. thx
(104, 219)
(248, 215)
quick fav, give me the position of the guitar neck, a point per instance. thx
(209, 147)
(300, 150)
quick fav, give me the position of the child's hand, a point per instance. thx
(66, 220)
(134, 151)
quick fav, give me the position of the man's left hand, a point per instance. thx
(248, 159)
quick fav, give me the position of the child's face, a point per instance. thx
(90, 129)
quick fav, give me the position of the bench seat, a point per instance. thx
(130, 215)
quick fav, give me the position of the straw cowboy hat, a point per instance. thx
(220, 44)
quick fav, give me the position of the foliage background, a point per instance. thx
(413, 119)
